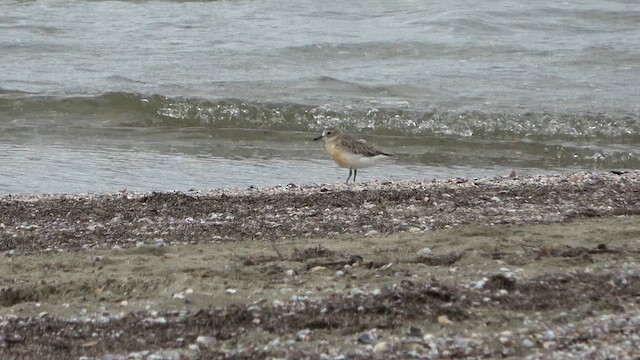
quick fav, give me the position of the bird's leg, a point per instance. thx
(346, 182)
(355, 172)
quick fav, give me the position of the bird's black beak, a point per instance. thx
(318, 138)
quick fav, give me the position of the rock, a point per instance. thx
(205, 340)
(303, 335)
(145, 220)
(298, 298)
(444, 320)
(424, 252)
(367, 337)
(382, 347)
(290, 272)
(549, 335)
(527, 344)
(480, 284)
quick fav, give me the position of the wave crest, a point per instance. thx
(131, 109)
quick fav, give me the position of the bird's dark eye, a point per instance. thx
(328, 132)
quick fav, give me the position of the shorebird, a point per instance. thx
(349, 152)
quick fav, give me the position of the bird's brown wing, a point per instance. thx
(360, 146)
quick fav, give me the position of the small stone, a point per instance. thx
(527, 344)
(298, 298)
(144, 220)
(548, 335)
(290, 272)
(339, 273)
(275, 343)
(424, 252)
(444, 320)
(480, 284)
(231, 291)
(139, 354)
(303, 335)
(205, 340)
(382, 347)
(367, 337)
(318, 268)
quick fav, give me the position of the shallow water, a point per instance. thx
(102, 95)
(105, 165)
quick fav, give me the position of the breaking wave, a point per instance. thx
(131, 109)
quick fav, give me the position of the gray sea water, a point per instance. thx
(174, 95)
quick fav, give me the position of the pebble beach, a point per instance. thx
(544, 266)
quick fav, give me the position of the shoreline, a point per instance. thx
(123, 219)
